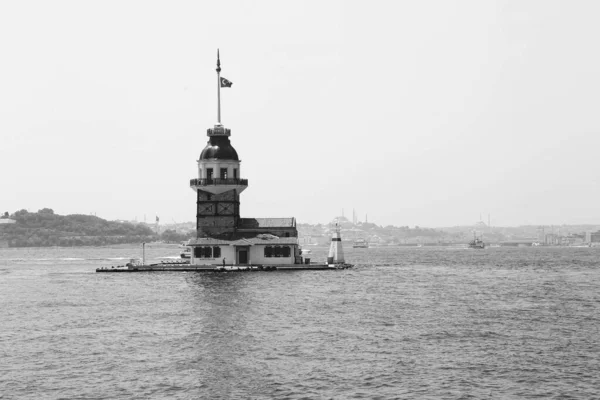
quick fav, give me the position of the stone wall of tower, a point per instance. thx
(217, 214)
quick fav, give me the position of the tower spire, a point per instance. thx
(218, 88)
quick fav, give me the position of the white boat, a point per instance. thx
(186, 252)
(476, 243)
(361, 244)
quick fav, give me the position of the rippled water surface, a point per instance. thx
(428, 323)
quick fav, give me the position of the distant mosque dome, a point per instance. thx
(219, 147)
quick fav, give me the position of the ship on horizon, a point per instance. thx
(476, 243)
(360, 244)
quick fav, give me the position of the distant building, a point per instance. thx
(551, 239)
(342, 222)
(573, 240)
(541, 234)
(594, 237)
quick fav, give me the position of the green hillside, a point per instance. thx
(44, 228)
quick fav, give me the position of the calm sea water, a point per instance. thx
(404, 323)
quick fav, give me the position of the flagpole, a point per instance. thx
(218, 88)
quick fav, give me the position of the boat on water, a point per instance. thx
(360, 244)
(186, 252)
(476, 243)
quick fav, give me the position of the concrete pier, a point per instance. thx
(217, 268)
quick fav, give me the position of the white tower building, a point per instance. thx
(336, 252)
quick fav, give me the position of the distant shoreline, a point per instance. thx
(151, 245)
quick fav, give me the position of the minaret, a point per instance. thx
(218, 185)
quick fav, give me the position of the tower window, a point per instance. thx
(235, 173)
(209, 173)
(223, 173)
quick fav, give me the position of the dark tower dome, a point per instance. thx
(219, 147)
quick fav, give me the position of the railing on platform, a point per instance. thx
(218, 181)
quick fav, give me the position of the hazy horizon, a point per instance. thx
(150, 221)
(415, 113)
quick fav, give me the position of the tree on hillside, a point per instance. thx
(172, 236)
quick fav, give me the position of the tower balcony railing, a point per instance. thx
(218, 130)
(218, 181)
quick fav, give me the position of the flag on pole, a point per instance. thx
(225, 82)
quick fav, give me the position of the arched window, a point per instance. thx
(198, 252)
(268, 251)
(216, 252)
(285, 251)
(207, 252)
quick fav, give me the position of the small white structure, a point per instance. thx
(336, 252)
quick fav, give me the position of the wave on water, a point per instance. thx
(422, 323)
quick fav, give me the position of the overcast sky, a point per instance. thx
(424, 113)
